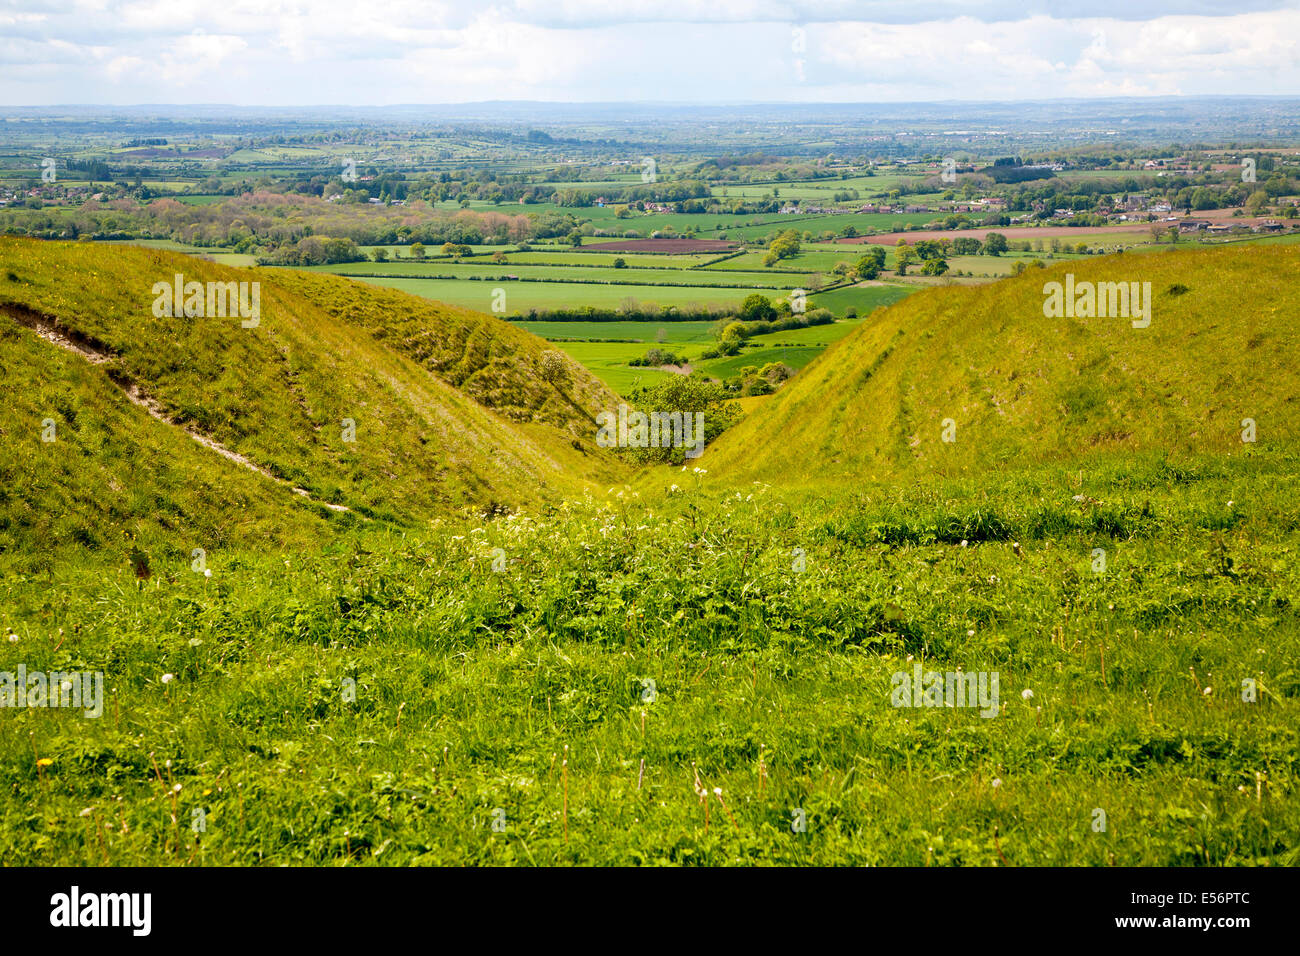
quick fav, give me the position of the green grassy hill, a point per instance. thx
(1021, 388)
(450, 407)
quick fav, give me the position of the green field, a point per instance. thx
(608, 362)
(522, 296)
(796, 357)
(812, 335)
(633, 260)
(489, 271)
(673, 332)
(864, 222)
(863, 298)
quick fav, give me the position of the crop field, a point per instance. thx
(686, 246)
(795, 356)
(648, 332)
(821, 257)
(539, 272)
(522, 296)
(862, 298)
(578, 258)
(608, 361)
(812, 335)
(818, 224)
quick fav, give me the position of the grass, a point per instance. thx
(862, 298)
(649, 278)
(376, 701)
(520, 297)
(608, 361)
(673, 332)
(450, 406)
(589, 663)
(1023, 388)
(796, 357)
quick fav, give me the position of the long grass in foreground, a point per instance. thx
(393, 699)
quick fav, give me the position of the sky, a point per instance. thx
(385, 52)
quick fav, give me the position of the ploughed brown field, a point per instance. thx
(663, 246)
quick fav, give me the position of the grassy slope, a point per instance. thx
(1023, 388)
(113, 476)
(470, 684)
(483, 428)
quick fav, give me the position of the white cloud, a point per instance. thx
(409, 51)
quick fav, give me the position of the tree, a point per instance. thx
(575, 238)
(757, 308)
(995, 244)
(784, 246)
(380, 254)
(934, 267)
(554, 368)
(867, 268)
(620, 263)
(417, 250)
(904, 257)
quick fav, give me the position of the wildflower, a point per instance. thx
(207, 572)
(44, 762)
(168, 678)
(1208, 691)
(195, 641)
(963, 542)
(1026, 694)
(997, 782)
(13, 638)
(970, 632)
(86, 812)
(176, 788)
